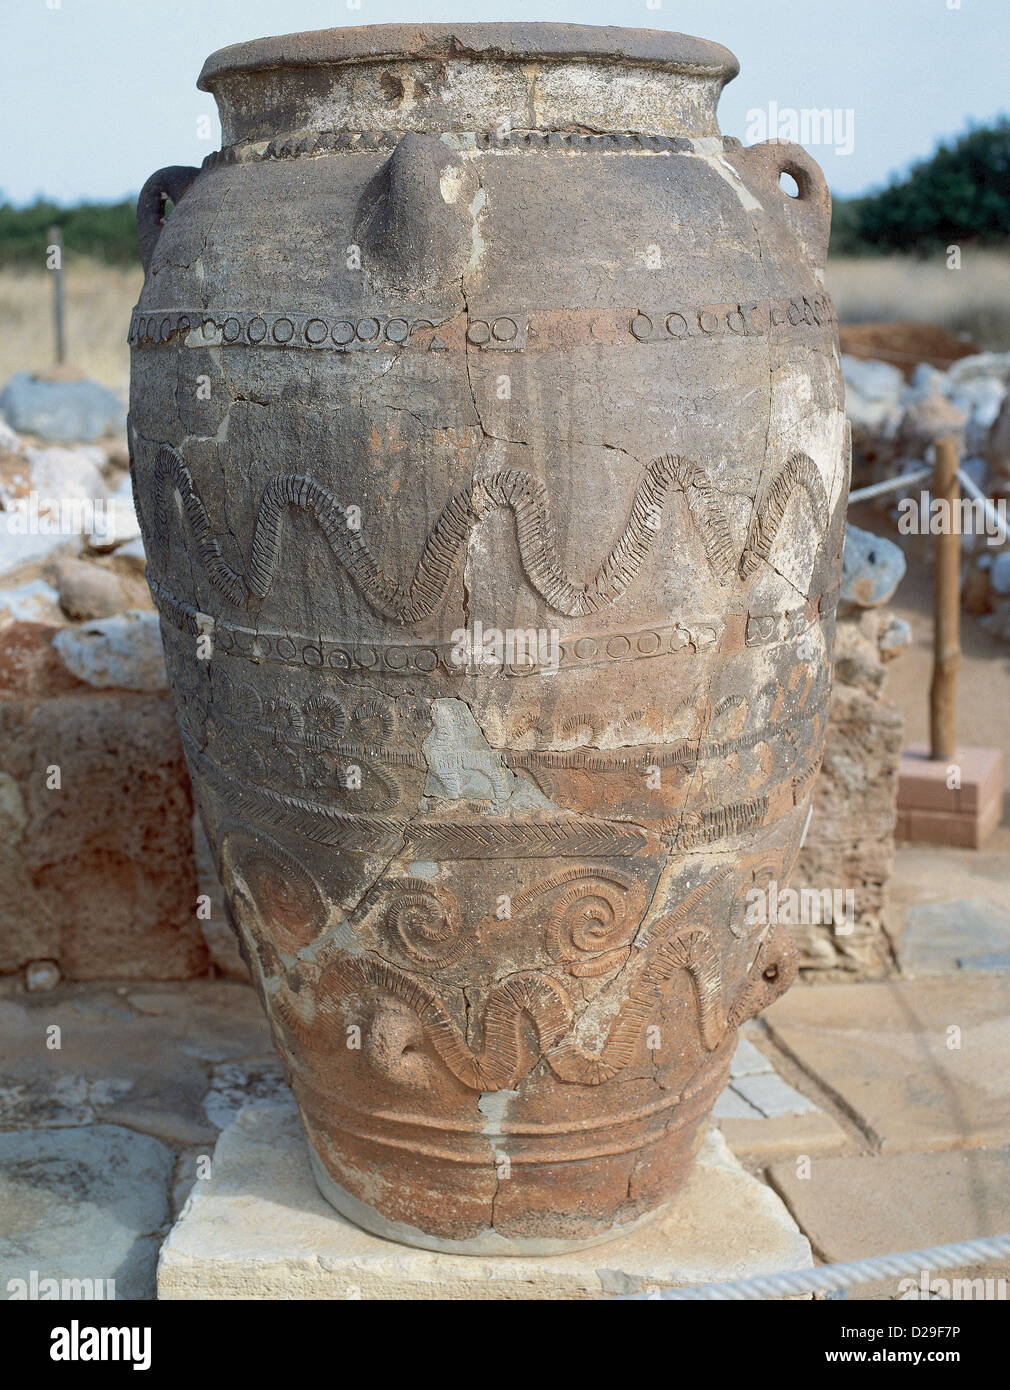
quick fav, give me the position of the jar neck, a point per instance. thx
(467, 95)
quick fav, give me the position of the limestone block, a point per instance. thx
(258, 1228)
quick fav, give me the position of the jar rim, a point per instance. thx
(488, 42)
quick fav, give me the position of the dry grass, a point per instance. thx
(98, 302)
(974, 300)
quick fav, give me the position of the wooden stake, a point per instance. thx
(947, 605)
(56, 240)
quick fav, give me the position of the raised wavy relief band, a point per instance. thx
(528, 500)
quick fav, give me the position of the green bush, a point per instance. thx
(960, 194)
(846, 230)
(107, 231)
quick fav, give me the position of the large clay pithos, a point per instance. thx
(488, 439)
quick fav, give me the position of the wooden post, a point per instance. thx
(56, 241)
(947, 605)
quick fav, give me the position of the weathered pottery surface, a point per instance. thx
(486, 330)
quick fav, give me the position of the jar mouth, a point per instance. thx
(660, 49)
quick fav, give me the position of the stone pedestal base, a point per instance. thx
(259, 1228)
(932, 812)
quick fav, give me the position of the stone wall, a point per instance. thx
(96, 847)
(850, 840)
(95, 823)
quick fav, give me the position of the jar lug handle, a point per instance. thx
(169, 183)
(807, 213)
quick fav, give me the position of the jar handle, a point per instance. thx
(170, 182)
(807, 213)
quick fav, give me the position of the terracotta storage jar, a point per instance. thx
(488, 439)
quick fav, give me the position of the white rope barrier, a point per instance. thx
(831, 1278)
(991, 514)
(890, 484)
(919, 475)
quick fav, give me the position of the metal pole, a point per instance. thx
(947, 605)
(56, 240)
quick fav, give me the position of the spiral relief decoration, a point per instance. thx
(498, 1060)
(273, 896)
(426, 922)
(592, 922)
(241, 698)
(373, 722)
(362, 784)
(757, 874)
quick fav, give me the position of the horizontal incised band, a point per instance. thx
(627, 761)
(503, 331)
(368, 141)
(558, 836)
(670, 1132)
(426, 659)
(710, 1077)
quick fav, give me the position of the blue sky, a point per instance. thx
(98, 93)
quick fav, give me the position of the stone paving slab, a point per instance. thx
(763, 1116)
(771, 1096)
(966, 934)
(237, 1084)
(82, 1204)
(879, 1205)
(211, 1019)
(748, 1060)
(258, 1228)
(139, 1056)
(730, 1105)
(919, 1064)
(765, 1138)
(997, 960)
(756, 1091)
(937, 874)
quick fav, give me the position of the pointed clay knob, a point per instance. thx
(415, 226)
